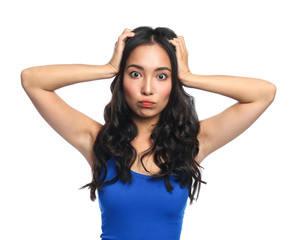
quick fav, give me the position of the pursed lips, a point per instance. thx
(146, 103)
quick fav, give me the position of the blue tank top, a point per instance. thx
(142, 210)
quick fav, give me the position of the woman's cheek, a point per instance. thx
(165, 92)
(129, 93)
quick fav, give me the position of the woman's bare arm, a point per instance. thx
(253, 98)
(40, 84)
(52, 77)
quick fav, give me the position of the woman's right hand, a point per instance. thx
(114, 63)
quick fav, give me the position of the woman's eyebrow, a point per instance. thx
(141, 68)
(162, 68)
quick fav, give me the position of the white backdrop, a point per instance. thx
(252, 190)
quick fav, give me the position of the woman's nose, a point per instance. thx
(147, 88)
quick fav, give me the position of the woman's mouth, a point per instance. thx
(146, 103)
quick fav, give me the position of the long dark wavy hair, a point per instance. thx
(174, 137)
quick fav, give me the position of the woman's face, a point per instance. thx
(147, 81)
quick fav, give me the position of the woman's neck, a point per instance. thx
(145, 126)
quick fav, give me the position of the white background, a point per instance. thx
(252, 190)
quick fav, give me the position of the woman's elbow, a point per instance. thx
(26, 78)
(269, 92)
(272, 92)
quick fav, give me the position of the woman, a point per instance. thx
(145, 159)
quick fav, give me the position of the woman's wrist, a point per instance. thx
(190, 80)
(110, 70)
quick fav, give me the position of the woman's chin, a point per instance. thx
(145, 116)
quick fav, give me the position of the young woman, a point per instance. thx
(146, 158)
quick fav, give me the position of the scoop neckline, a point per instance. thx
(140, 174)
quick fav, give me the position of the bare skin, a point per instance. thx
(253, 97)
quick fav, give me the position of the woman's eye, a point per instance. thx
(161, 76)
(135, 74)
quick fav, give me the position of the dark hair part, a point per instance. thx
(174, 137)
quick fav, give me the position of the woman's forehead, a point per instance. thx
(149, 56)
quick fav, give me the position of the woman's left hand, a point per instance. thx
(182, 57)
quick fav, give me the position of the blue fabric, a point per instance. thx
(142, 210)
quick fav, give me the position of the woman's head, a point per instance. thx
(144, 53)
